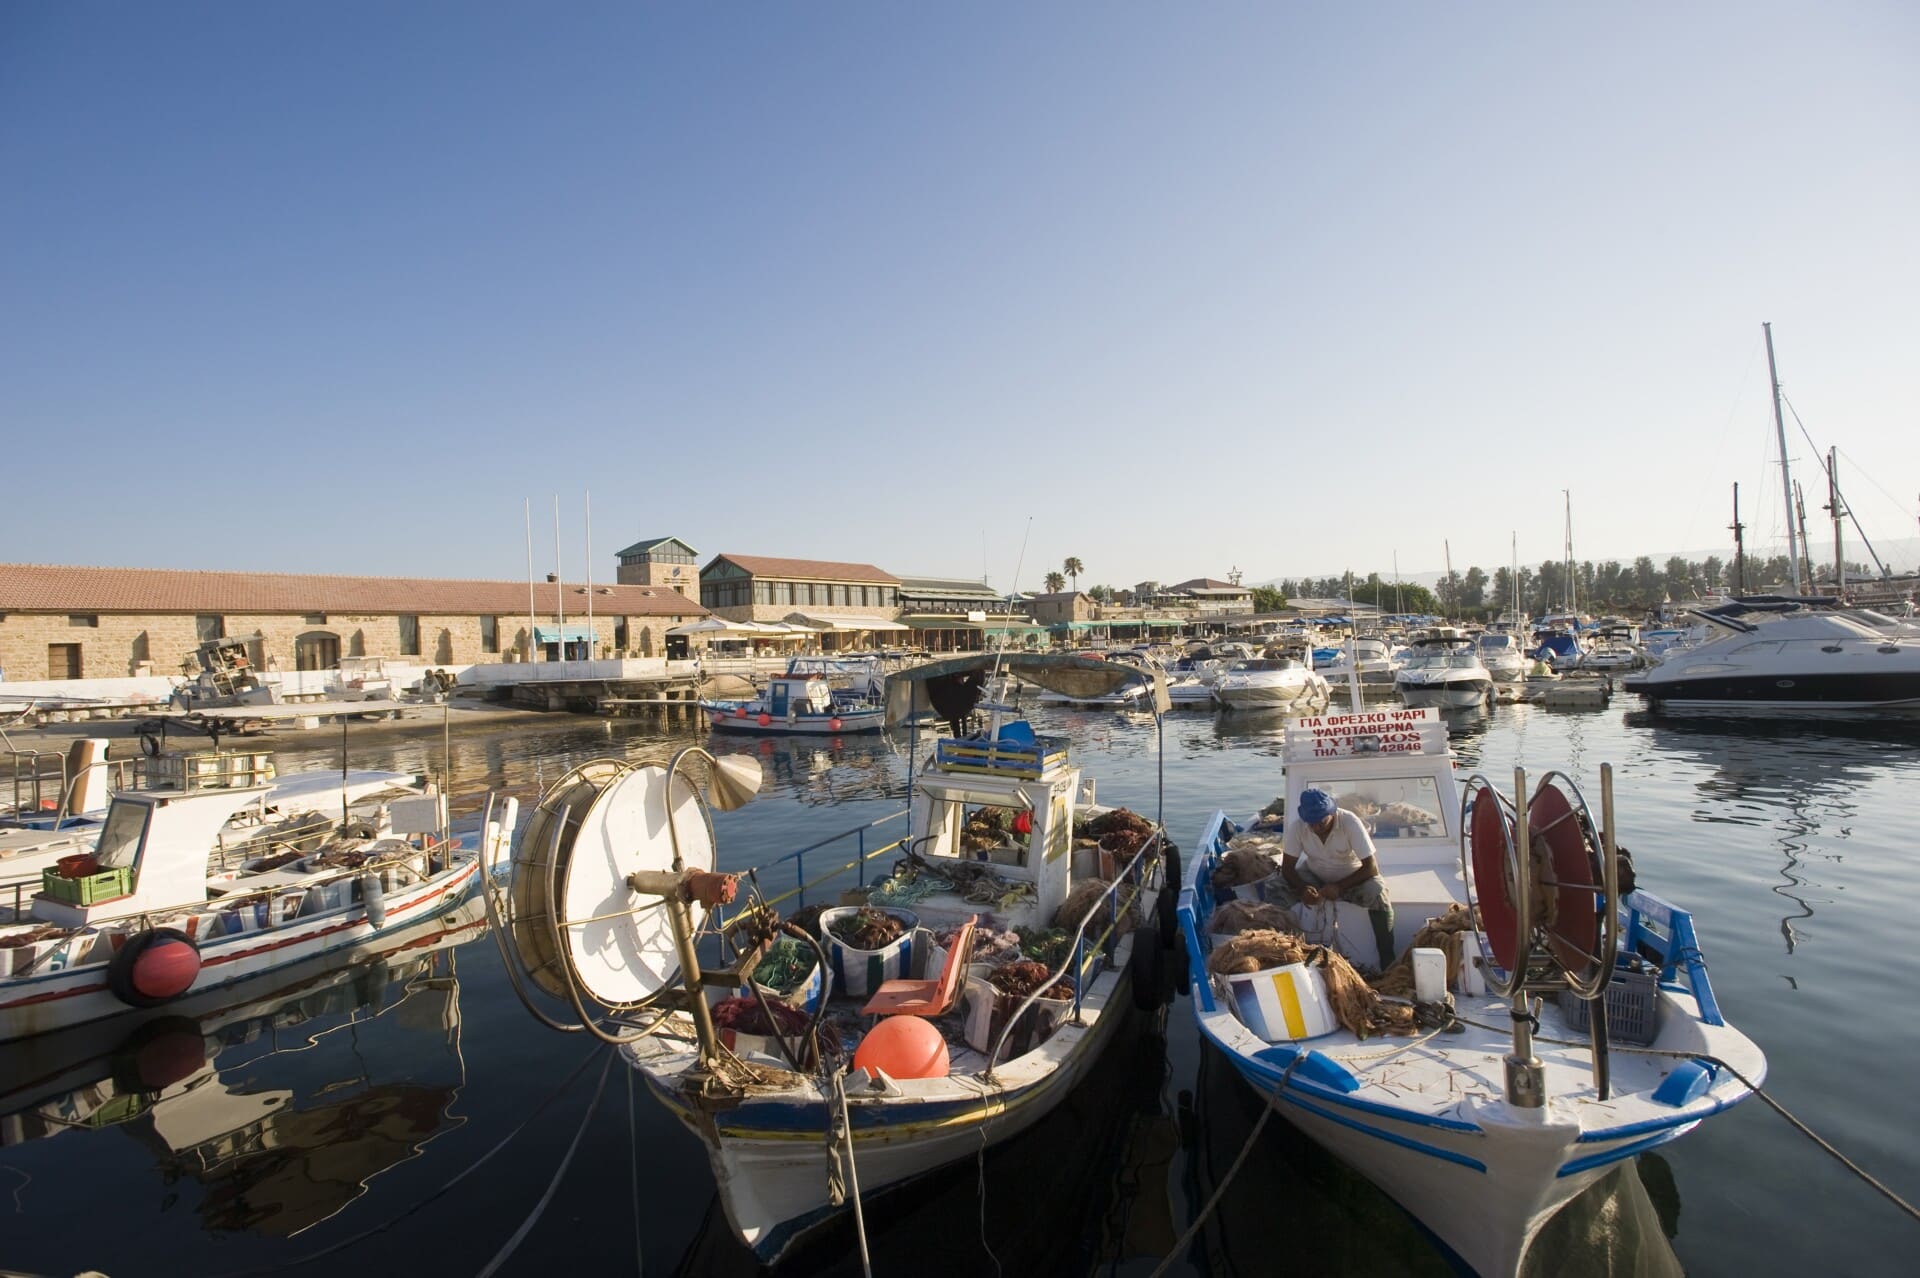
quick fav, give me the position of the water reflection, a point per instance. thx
(282, 1097)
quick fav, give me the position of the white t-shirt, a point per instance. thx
(1335, 857)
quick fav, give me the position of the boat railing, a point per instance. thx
(1131, 877)
(1666, 930)
(861, 856)
(1198, 900)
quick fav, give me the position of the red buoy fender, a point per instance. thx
(154, 967)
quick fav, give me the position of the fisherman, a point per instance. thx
(1327, 855)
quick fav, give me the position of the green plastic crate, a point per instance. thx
(90, 890)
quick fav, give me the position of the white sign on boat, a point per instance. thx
(1338, 736)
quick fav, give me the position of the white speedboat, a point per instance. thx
(138, 922)
(1499, 651)
(1479, 1122)
(1771, 655)
(1372, 660)
(889, 1061)
(1267, 683)
(1443, 670)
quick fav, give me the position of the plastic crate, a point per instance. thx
(89, 889)
(1633, 1007)
(1002, 758)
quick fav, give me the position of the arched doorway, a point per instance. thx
(316, 650)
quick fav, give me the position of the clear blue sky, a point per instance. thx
(333, 287)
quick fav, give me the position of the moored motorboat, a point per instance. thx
(1266, 683)
(1786, 656)
(805, 1107)
(1441, 669)
(1491, 1109)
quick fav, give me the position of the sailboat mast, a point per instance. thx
(1839, 512)
(1446, 549)
(1786, 479)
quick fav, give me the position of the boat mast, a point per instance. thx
(1839, 512)
(1573, 596)
(1739, 547)
(1806, 547)
(1786, 479)
(1446, 549)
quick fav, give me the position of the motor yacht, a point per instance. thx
(1444, 671)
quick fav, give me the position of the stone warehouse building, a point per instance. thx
(72, 623)
(850, 605)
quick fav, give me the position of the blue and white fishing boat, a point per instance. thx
(802, 704)
(1572, 1028)
(844, 1089)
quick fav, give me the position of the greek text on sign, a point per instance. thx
(1369, 732)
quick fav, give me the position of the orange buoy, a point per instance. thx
(165, 969)
(739, 712)
(903, 1047)
(765, 718)
(834, 723)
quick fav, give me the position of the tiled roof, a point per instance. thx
(1061, 594)
(1207, 583)
(806, 569)
(57, 588)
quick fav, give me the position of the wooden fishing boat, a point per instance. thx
(1572, 1029)
(889, 1061)
(801, 704)
(138, 922)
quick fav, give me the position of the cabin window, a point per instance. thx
(409, 635)
(986, 832)
(209, 628)
(120, 836)
(1393, 807)
(489, 634)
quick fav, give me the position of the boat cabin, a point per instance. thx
(797, 694)
(1009, 803)
(1394, 769)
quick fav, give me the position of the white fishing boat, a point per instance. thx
(1616, 647)
(927, 1071)
(1442, 669)
(1267, 683)
(138, 922)
(797, 704)
(1575, 1028)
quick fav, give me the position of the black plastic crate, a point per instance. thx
(1633, 1007)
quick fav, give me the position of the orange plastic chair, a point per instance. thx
(926, 998)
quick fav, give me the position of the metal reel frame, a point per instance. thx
(1592, 982)
(1516, 884)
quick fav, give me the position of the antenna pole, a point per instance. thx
(1786, 479)
(559, 585)
(588, 577)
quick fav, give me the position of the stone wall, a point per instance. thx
(117, 645)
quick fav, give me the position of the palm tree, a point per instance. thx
(1055, 582)
(1073, 568)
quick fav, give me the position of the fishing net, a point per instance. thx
(1082, 898)
(1248, 859)
(1446, 933)
(1234, 917)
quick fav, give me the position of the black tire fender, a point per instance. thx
(120, 969)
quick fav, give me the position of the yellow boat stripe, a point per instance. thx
(1290, 1005)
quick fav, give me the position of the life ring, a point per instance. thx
(149, 743)
(154, 967)
(359, 830)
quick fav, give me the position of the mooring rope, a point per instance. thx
(559, 1173)
(1751, 1086)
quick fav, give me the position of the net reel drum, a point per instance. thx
(1545, 892)
(598, 912)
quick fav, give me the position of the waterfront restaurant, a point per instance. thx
(949, 614)
(851, 607)
(72, 623)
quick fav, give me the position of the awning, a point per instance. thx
(941, 623)
(845, 621)
(908, 690)
(717, 627)
(564, 634)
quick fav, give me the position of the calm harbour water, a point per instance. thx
(410, 1118)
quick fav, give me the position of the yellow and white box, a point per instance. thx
(1282, 1004)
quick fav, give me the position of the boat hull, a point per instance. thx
(61, 999)
(1459, 695)
(803, 725)
(1894, 692)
